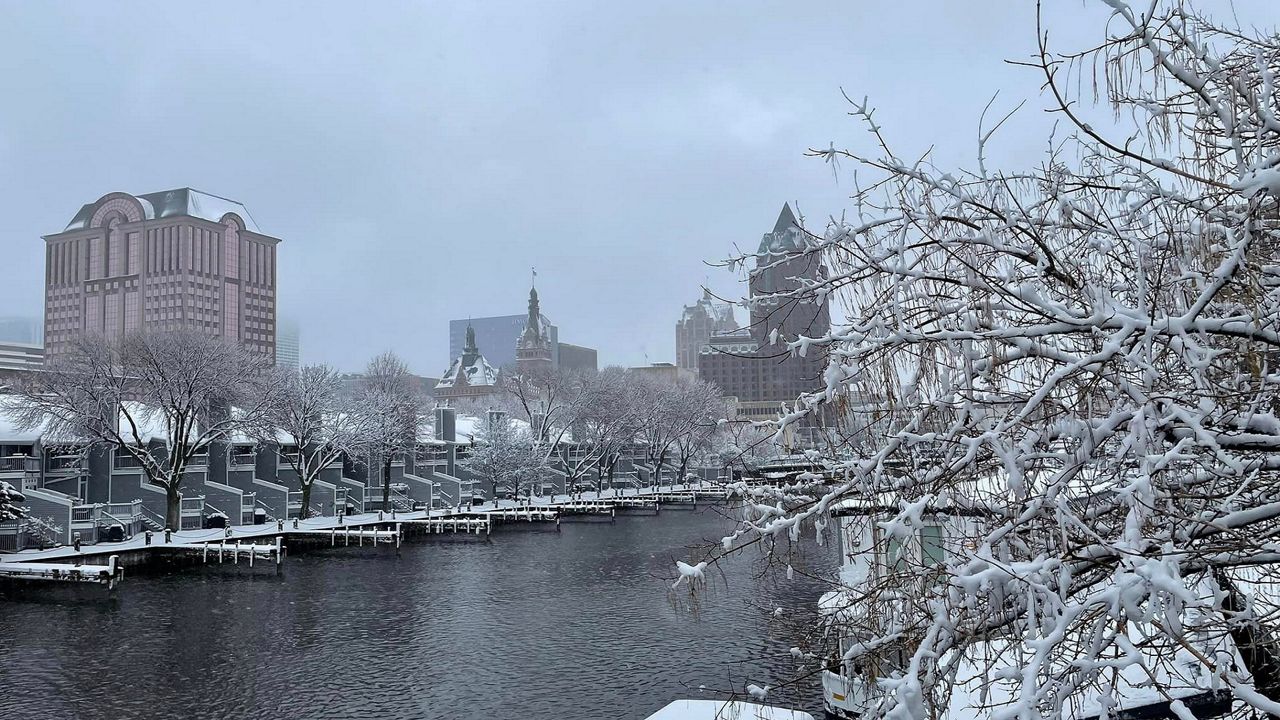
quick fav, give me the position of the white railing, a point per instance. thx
(156, 518)
(266, 509)
(131, 510)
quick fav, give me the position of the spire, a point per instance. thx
(469, 350)
(786, 219)
(534, 311)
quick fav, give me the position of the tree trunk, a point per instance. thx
(305, 511)
(493, 485)
(684, 467)
(386, 483)
(173, 508)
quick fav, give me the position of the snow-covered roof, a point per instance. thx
(9, 431)
(180, 201)
(786, 236)
(720, 313)
(477, 372)
(466, 427)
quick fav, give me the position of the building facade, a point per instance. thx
(664, 372)
(21, 356)
(697, 324)
(22, 329)
(745, 363)
(288, 344)
(577, 357)
(164, 261)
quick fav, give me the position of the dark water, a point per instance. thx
(531, 625)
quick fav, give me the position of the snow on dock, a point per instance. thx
(104, 562)
(725, 710)
(108, 574)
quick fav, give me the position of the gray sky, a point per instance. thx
(418, 158)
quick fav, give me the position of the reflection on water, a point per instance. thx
(579, 623)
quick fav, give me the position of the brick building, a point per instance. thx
(743, 362)
(167, 260)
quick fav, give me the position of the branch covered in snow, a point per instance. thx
(1070, 370)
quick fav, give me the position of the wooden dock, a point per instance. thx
(105, 562)
(108, 574)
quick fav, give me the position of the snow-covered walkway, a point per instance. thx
(267, 533)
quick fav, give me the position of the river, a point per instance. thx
(531, 624)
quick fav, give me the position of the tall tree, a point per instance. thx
(159, 398)
(604, 425)
(698, 411)
(392, 404)
(505, 456)
(322, 422)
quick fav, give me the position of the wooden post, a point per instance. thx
(279, 549)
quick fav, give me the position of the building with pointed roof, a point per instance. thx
(469, 376)
(175, 259)
(747, 363)
(697, 324)
(534, 349)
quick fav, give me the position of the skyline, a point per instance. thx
(416, 179)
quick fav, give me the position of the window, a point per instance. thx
(932, 551)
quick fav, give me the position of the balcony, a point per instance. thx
(126, 462)
(65, 465)
(19, 464)
(243, 459)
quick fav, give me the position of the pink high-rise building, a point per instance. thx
(167, 260)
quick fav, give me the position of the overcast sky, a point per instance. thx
(418, 158)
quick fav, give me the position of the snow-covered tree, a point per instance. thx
(699, 410)
(322, 422)
(1075, 365)
(390, 404)
(9, 499)
(673, 418)
(159, 398)
(549, 400)
(506, 457)
(604, 426)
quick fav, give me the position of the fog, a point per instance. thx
(418, 159)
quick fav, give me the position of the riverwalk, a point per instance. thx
(106, 562)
